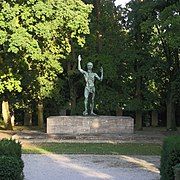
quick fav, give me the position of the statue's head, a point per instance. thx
(89, 65)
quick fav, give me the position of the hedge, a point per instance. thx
(11, 168)
(11, 164)
(170, 156)
(10, 148)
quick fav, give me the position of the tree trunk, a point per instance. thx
(12, 118)
(62, 112)
(73, 100)
(72, 68)
(28, 117)
(171, 122)
(98, 33)
(40, 115)
(138, 120)
(119, 111)
(154, 118)
(138, 96)
(6, 114)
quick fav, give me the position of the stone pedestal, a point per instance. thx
(75, 125)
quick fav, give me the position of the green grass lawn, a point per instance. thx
(94, 148)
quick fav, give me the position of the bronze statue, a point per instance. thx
(89, 88)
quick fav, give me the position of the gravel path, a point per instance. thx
(90, 167)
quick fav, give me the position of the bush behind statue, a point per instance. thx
(170, 157)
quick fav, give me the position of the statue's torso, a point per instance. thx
(89, 78)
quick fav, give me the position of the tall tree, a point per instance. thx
(137, 61)
(163, 21)
(103, 47)
(35, 35)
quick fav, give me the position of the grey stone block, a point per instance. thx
(90, 125)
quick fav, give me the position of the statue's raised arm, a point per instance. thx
(101, 70)
(100, 78)
(79, 65)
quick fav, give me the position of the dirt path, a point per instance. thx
(90, 167)
(148, 135)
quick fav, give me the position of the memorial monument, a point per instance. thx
(89, 125)
(90, 87)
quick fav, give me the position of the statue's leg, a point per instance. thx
(86, 94)
(92, 104)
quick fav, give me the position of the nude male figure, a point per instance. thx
(89, 88)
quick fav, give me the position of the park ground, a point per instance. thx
(90, 167)
(124, 157)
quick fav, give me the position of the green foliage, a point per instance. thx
(137, 46)
(107, 100)
(139, 85)
(11, 168)
(103, 48)
(39, 33)
(10, 148)
(35, 36)
(170, 156)
(177, 166)
(10, 82)
(163, 24)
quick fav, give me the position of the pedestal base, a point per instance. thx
(74, 125)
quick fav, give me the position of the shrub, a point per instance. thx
(177, 171)
(10, 148)
(11, 168)
(170, 156)
(177, 166)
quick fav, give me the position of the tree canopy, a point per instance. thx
(137, 45)
(35, 37)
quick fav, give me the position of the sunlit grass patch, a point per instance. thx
(94, 148)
